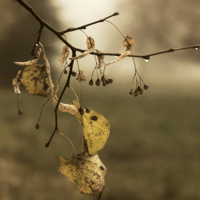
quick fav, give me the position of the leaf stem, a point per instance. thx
(74, 153)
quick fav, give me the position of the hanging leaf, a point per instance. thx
(128, 43)
(96, 129)
(90, 45)
(16, 82)
(64, 55)
(37, 78)
(100, 59)
(80, 76)
(88, 173)
(62, 107)
(30, 62)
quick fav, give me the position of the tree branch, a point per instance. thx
(59, 35)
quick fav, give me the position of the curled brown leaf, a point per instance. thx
(128, 43)
(64, 55)
(30, 62)
(90, 45)
(100, 59)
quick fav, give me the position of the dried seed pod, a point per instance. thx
(110, 80)
(141, 91)
(65, 71)
(37, 126)
(146, 87)
(136, 93)
(98, 82)
(107, 81)
(103, 78)
(73, 73)
(20, 112)
(91, 82)
(87, 110)
(131, 92)
(104, 84)
(81, 111)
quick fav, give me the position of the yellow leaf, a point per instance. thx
(64, 55)
(37, 78)
(128, 43)
(88, 173)
(100, 59)
(30, 62)
(96, 129)
(62, 107)
(90, 45)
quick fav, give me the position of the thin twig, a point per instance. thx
(90, 24)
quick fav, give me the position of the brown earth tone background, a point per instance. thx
(153, 149)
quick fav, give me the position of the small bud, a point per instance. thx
(65, 71)
(136, 93)
(131, 92)
(81, 111)
(171, 49)
(91, 82)
(98, 82)
(73, 73)
(110, 80)
(20, 112)
(37, 126)
(146, 87)
(87, 110)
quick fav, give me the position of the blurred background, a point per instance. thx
(153, 150)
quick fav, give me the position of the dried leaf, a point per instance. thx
(62, 107)
(80, 76)
(64, 55)
(16, 82)
(96, 129)
(128, 43)
(88, 173)
(30, 62)
(100, 59)
(90, 45)
(37, 78)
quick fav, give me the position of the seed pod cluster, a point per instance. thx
(138, 91)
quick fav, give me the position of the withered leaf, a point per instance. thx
(90, 45)
(128, 43)
(80, 76)
(88, 173)
(16, 82)
(37, 78)
(96, 129)
(30, 62)
(62, 107)
(64, 55)
(100, 59)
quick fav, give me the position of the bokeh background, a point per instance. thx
(153, 150)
